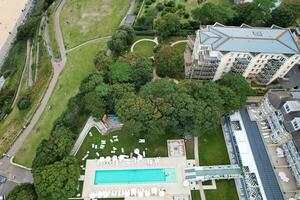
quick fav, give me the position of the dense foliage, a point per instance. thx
(169, 62)
(57, 181)
(24, 191)
(121, 40)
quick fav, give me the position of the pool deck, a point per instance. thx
(172, 189)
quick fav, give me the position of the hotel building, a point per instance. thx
(259, 54)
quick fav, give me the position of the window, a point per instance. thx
(287, 108)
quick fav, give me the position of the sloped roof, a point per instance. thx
(249, 39)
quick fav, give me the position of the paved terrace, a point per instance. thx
(171, 188)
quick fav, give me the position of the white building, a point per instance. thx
(281, 111)
(261, 54)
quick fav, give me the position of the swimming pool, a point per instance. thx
(135, 176)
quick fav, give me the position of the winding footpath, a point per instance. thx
(15, 173)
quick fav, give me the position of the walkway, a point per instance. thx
(155, 40)
(178, 42)
(196, 153)
(88, 125)
(88, 42)
(24, 70)
(12, 172)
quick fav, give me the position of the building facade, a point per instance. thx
(259, 54)
(280, 110)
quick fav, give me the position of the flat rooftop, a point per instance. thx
(249, 39)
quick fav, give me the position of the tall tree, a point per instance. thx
(24, 191)
(167, 24)
(210, 13)
(169, 62)
(57, 181)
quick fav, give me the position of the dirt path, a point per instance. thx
(24, 70)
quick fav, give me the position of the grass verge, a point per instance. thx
(12, 125)
(79, 65)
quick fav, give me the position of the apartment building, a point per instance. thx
(280, 110)
(259, 54)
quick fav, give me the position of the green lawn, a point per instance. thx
(88, 19)
(12, 125)
(181, 46)
(144, 48)
(195, 195)
(212, 151)
(79, 65)
(226, 190)
(212, 148)
(152, 148)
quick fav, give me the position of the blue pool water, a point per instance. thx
(135, 176)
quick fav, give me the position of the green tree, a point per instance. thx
(121, 39)
(57, 181)
(102, 61)
(46, 149)
(24, 191)
(237, 84)
(142, 71)
(167, 24)
(120, 72)
(89, 83)
(282, 16)
(94, 104)
(169, 62)
(28, 29)
(210, 13)
(24, 102)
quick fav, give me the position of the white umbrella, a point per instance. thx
(186, 183)
(154, 190)
(140, 157)
(133, 191)
(92, 195)
(161, 193)
(140, 193)
(108, 159)
(147, 193)
(102, 159)
(114, 158)
(127, 193)
(136, 151)
(99, 194)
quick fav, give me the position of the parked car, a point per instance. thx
(2, 197)
(2, 180)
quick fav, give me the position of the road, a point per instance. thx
(13, 173)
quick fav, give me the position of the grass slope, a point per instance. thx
(12, 125)
(88, 19)
(79, 65)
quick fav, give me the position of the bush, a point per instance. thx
(24, 191)
(24, 103)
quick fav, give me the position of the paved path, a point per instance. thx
(88, 42)
(14, 173)
(143, 40)
(179, 41)
(196, 152)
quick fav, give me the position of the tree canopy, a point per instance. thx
(24, 191)
(167, 24)
(57, 181)
(169, 62)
